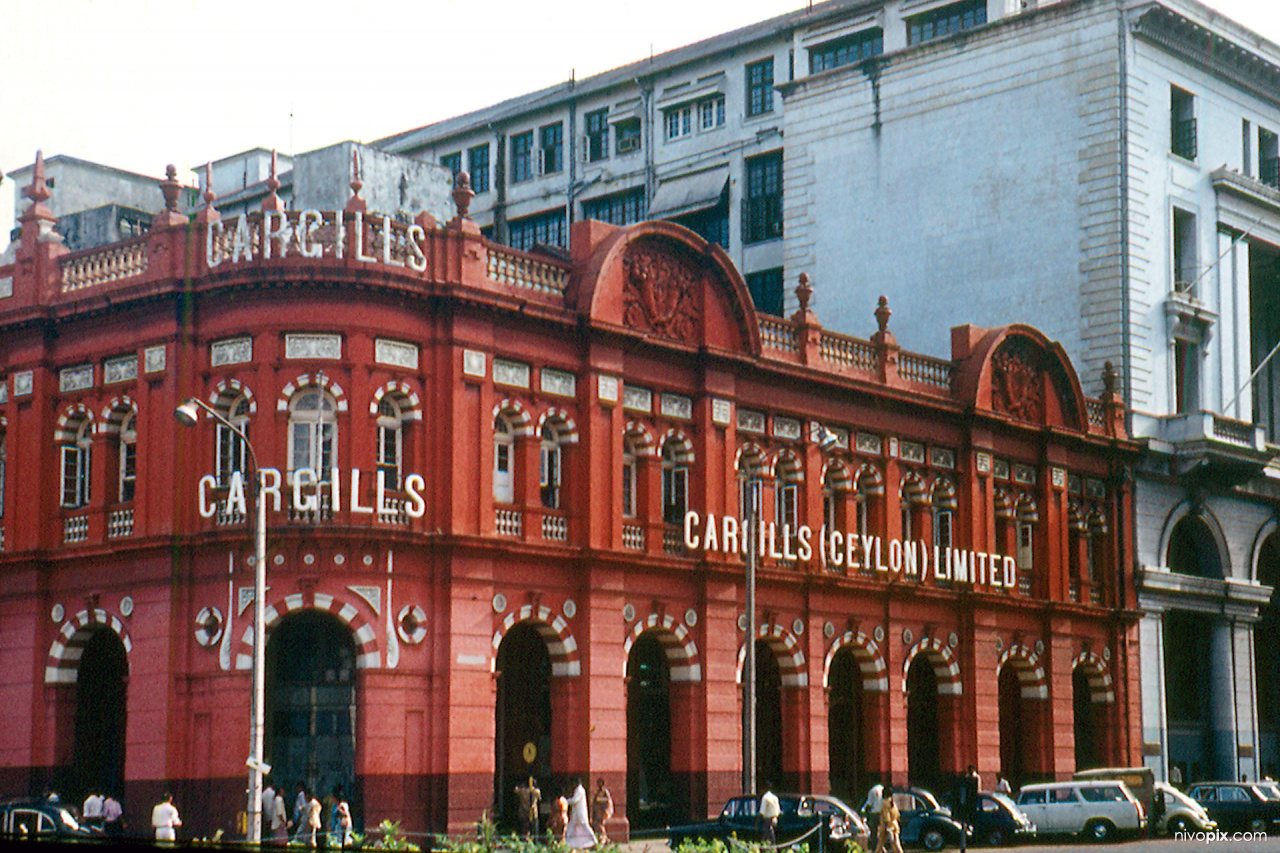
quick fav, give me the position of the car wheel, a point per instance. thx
(1099, 830)
(932, 838)
(1177, 825)
(995, 838)
(1258, 824)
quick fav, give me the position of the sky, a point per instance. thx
(139, 84)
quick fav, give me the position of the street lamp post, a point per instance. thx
(749, 663)
(187, 416)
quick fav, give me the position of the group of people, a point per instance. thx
(104, 812)
(577, 821)
(307, 822)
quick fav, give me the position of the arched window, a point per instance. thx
(630, 471)
(835, 492)
(550, 467)
(675, 484)
(749, 497)
(786, 505)
(944, 507)
(313, 432)
(504, 452)
(390, 441)
(77, 454)
(231, 448)
(127, 458)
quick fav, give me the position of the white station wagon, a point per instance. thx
(1097, 811)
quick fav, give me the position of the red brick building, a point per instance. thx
(507, 530)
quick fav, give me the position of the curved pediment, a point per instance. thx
(1016, 372)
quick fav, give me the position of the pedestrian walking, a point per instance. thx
(268, 808)
(341, 818)
(312, 821)
(601, 810)
(112, 816)
(165, 820)
(280, 822)
(577, 833)
(529, 797)
(559, 819)
(770, 808)
(889, 828)
(91, 811)
(299, 811)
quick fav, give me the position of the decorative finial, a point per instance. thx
(804, 291)
(462, 193)
(170, 188)
(883, 313)
(355, 203)
(1110, 378)
(38, 190)
(272, 201)
(209, 195)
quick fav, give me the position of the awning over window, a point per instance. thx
(689, 192)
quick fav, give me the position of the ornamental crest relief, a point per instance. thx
(1017, 384)
(659, 293)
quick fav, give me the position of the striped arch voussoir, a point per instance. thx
(869, 480)
(227, 392)
(69, 422)
(682, 652)
(915, 489)
(113, 416)
(63, 665)
(752, 452)
(566, 659)
(367, 654)
(944, 664)
(517, 414)
(791, 665)
(1101, 691)
(562, 422)
(411, 403)
(308, 380)
(875, 673)
(641, 439)
(681, 444)
(837, 475)
(944, 493)
(1032, 682)
(787, 468)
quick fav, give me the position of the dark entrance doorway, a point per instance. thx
(1266, 655)
(523, 723)
(768, 719)
(98, 755)
(923, 745)
(1014, 732)
(1087, 727)
(649, 790)
(311, 705)
(846, 747)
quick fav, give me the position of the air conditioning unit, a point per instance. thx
(628, 144)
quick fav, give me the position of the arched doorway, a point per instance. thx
(649, 791)
(923, 743)
(1086, 723)
(1266, 655)
(98, 754)
(1015, 732)
(846, 746)
(523, 719)
(311, 705)
(768, 718)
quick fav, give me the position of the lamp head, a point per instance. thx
(188, 413)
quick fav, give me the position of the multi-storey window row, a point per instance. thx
(846, 51)
(946, 20)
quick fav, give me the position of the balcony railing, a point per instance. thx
(123, 260)
(555, 528)
(520, 270)
(75, 529)
(120, 523)
(508, 522)
(673, 542)
(633, 537)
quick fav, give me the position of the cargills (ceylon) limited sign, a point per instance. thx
(852, 551)
(314, 234)
(307, 489)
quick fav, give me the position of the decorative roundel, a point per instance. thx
(308, 558)
(1106, 653)
(368, 559)
(691, 617)
(278, 559)
(878, 633)
(999, 644)
(1039, 647)
(628, 612)
(742, 622)
(569, 609)
(57, 613)
(907, 636)
(339, 559)
(126, 606)
(209, 626)
(251, 559)
(499, 603)
(797, 626)
(410, 625)
(953, 640)
(828, 630)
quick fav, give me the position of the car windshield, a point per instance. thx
(68, 820)
(1267, 790)
(927, 800)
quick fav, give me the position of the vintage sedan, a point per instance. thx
(922, 822)
(28, 818)
(803, 817)
(1237, 805)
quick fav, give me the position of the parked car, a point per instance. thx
(41, 818)
(1181, 813)
(923, 821)
(997, 820)
(1237, 805)
(1096, 811)
(740, 818)
(842, 818)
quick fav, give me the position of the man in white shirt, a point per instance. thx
(770, 808)
(92, 810)
(165, 820)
